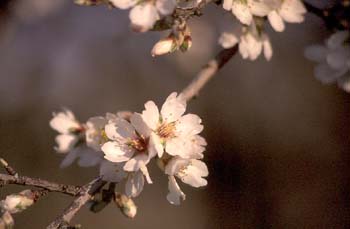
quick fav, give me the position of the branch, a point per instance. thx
(39, 183)
(86, 193)
(207, 72)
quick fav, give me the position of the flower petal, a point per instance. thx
(65, 142)
(112, 172)
(120, 130)
(173, 108)
(115, 152)
(151, 115)
(175, 195)
(134, 184)
(143, 16)
(140, 126)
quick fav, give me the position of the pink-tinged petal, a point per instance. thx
(151, 115)
(134, 184)
(65, 142)
(276, 21)
(173, 108)
(123, 4)
(268, 52)
(260, 8)
(228, 40)
(143, 16)
(140, 125)
(242, 12)
(64, 122)
(175, 195)
(112, 172)
(120, 130)
(115, 152)
(227, 4)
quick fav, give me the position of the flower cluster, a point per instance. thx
(168, 135)
(251, 14)
(333, 60)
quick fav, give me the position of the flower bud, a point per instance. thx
(164, 46)
(126, 205)
(6, 221)
(15, 203)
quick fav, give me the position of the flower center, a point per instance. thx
(139, 144)
(166, 130)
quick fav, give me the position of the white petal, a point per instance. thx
(292, 11)
(134, 184)
(93, 133)
(175, 164)
(194, 173)
(64, 122)
(136, 162)
(115, 152)
(228, 40)
(151, 115)
(242, 12)
(65, 142)
(143, 16)
(112, 172)
(259, 8)
(123, 4)
(175, 195)
(227, 4)
(165, 7)
(276, 21)
(144, 171)
(267, 47)
(173, 108)
(155, 146)
(189, 125)
(140, 126)
(120, 130)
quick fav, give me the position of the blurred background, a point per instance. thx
(278, 140)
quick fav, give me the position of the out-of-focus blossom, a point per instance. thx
(173, 131)
(68, 128)
(251, 42)
(291, 11)
(112, 172)
(333, 60)
(144, 14)
(245, 10)
(189, 171)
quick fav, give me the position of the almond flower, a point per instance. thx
(68, 128)
(333, 60)
(189, 171)
(291, 11)
(251, 42)
(245, 10)
(172, 131)
(129, 142)
(144, 14)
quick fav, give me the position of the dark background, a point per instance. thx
(278, 140)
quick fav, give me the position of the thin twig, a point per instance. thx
(86, 193)
(7, 167)
(207, 72)
(40, 183)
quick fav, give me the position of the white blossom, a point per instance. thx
(144, 14)
(251, 42)
(189, 171)
(68, 128)
(173, 131)
(244, 10)
(291, 11)
(333, 60)
(129, 143)
(15, 203)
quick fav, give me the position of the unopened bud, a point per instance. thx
(6, 221)
(187, 44)
(15, 203)
(126, 205)
(164, 46)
